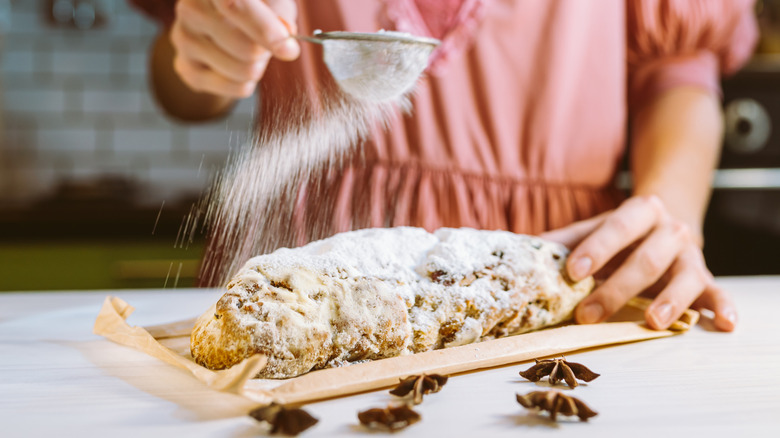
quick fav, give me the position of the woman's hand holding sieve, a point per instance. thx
(223, 46)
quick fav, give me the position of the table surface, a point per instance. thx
(57, 378)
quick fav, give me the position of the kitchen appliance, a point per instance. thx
(742, 228)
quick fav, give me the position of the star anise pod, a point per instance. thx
(419, 385)
(284, 420)
(559, 369)
(391, 418)
(556, 403)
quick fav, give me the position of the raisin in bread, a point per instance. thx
(378, 293)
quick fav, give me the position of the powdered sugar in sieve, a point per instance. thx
(378, 66)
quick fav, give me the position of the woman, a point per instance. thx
(519, 124)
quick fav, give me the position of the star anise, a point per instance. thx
(419, 385)
(391, 418)
(556, 403)
(284, 420)
(559, 369)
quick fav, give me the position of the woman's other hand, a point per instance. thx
(223, 46)
(639, 247)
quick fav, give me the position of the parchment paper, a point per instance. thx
(170, 343)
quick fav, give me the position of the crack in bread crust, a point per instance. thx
(378, 293)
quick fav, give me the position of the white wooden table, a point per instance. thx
(58, 379)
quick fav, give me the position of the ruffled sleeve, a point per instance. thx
(674, 43)
(159, 10)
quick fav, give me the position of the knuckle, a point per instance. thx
(246, 89)
(681, 231)
(657, 205)
(620, 225)
(227, 4)
(610, 297)
(257, 70)
(180, 40)
(714, 288)
(188, 75)
(237, 91)
(588, 249)
(597, 257)
(650, 265)
(247, 71)
(181, 66)
(697, 271)
(702, 277)
(183, 10)
(258, 54)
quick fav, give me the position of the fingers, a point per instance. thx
(262, 24)
(692, 285)
(223, 46)
(643, 267)
(689, 278)
(200, 20)
(202, 79)
(631, 221)
(652, 252)
(571, 235)
(201, 50)
(720, 302)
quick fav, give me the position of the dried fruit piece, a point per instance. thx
(556, 403)
(391, 418)
(284, 420)
(559, 369)
(419, 385)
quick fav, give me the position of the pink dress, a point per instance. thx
(520, 123)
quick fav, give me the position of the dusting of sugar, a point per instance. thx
(409, 257)
(422, 290)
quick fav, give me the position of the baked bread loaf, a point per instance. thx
(377, 293)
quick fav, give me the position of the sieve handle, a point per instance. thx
(298, 37)
(314, 40)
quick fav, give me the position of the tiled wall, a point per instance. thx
(76, 107)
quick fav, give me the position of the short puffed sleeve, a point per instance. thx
(674, 43)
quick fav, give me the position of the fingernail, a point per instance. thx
(287, 49)
(591, 313)
(731, 316)
(581, 268)
(663, 315)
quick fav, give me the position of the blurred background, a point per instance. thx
(95, 182)
(86, 158)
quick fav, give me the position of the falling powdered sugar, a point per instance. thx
(250, 208)
(254, 205)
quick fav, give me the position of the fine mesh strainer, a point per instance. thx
(377, 66)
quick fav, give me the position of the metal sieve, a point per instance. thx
(377, 66)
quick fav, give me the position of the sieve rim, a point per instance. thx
(388, 37)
